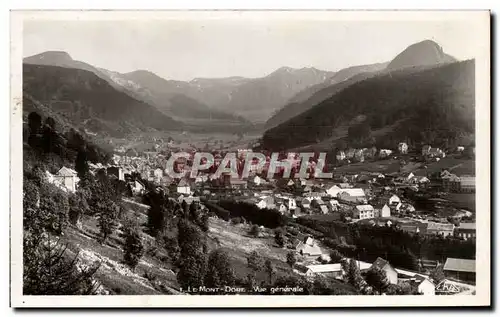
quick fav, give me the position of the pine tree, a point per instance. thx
(353, 275)
(270, 270)
(78, 206)
(192, 259)
(133, 249)
(291, 258)
(219, 270)
(34, 123)
(279, 238)
(81, 164)
(254, 262)
(204, 223)
(107, 215)
(170, 245)
(335, 256)
(377, 279)
(438, 274)
(159, 212)
(47, 270)
(255, 230)
(51, 123)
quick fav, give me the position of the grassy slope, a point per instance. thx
(116, 278)
(113, 275)
(458, 166)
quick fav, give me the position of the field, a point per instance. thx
(380, 166)
(146, 141)
(458, 166)
(463, 200)
(239, 244)
(155, 277)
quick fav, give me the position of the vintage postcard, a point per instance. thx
(281, 158)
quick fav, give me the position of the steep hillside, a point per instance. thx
(172, 97)
(254, 99)
(86, 100)
(313, 95)
(63, 59)
(431, 105)
(423, 53)
(419, 55)
(259, 98)
(338, 77)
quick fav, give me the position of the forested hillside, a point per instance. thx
(434, 105)
(88, 101)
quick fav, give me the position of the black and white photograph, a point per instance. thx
(188, 156)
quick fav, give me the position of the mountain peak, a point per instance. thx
(141, 72)
(284, 69)
(426, 52)
(53, 57)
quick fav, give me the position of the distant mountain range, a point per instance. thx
(149, 88)
(421, 89)
(142, 100)
(254, 99)
(233, 101)
(309, 97)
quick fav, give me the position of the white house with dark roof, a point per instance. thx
(424, 285)
(467, 183)
(352, 195)
(394, 200)
(308, 248)
(443, 229)
(333, 191)
(136, 187)
(461, 269)
(266, 202)
(67, 178)
(403, 148)
(385, 211)
(183, 187)
(334, 204)
(466, 230)
(384, 152)
(390, 271)
(364, 212)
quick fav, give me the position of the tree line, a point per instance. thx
(230, 209)
(400, 248)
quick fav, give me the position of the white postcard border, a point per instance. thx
(481, 22)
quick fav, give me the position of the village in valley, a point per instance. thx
(416, 196)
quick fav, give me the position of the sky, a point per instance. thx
(184, 49)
